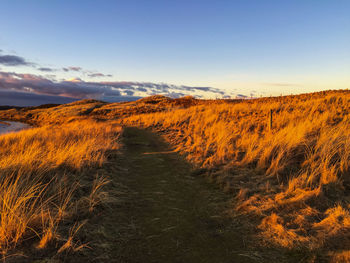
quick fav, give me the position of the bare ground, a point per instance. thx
(161, 211)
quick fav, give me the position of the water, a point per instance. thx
(12, 126)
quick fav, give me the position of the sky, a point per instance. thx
(127, 49)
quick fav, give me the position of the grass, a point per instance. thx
(41, 180)
(297, 181)
(294, 178)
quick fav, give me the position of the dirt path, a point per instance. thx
(173, 216)
(163, 212)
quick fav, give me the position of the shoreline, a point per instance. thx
(12, 126)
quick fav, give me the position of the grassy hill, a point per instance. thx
(294, 176)
(49, 183)
(291, 180)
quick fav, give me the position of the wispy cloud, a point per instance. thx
(12, 60)
(99, 75)
(45, 69)
(77, 88)
(76, 69)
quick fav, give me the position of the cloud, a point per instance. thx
(241, 96)
(129, 92)
(46, 69)
(75, 88)
(40, 85)
(51, 76)
(176, 94)
(30, 86)
(76, 69)
(76, 80)
(98, 75)
(12, 60)
(15, 98)
(141, 89)
(110, 91)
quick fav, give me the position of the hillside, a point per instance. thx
(290, 180)
(54, 114)
(293, 177)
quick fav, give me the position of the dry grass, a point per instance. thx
(51, 114)
(40, 184)
(294, 178)
(340, 256)
(298, 178)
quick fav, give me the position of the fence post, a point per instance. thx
(271, 113)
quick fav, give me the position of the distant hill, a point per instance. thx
(9, 107)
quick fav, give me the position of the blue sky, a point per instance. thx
(264, 47)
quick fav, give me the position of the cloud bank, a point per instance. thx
(15, 98)
(35, 89)
(76, 89)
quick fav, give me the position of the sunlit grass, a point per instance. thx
(294, 177)
(299, 171)
(40, 178)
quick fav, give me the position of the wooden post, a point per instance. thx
(271, 113)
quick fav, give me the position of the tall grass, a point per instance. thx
(293, 177)
(298, 178)
(40, 182)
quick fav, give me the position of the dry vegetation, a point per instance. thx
(53, 114)
(294, 179)
(47, 180)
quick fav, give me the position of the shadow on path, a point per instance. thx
(172, 215)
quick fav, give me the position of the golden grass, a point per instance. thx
(41, 175)
(293, 177)
(340, 256)
(298, 183)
